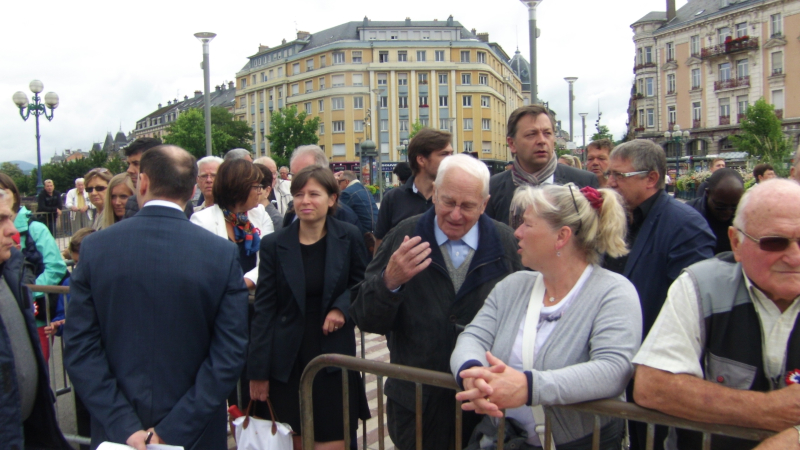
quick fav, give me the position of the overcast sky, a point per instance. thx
(112, 63)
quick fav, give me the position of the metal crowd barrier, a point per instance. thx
(610, 408)
(63, 226)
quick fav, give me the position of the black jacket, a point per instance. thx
(501, 188)
(49, 203)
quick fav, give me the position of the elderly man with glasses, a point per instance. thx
(664, 236)
(725, 348)
(206, 173)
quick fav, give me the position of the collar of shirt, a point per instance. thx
(166, 203)
(641, 211)
(353, 182)
(470, 239)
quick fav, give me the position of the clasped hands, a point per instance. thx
(489, 390)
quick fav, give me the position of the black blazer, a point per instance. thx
(277, 329)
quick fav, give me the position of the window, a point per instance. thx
(338, 126)
(443, 101)
(486, 124)
(322, 61)
(270, 74)
(338, 149)
(337, 80)
(423, 100)
(741, 68)
(640, 89)
(295, 68)
(338, 58)
(486, 146)
(393, 37)
(358, 79)
(308, 107)
(421, 55)
(651, 117)
(741, 29)
(649, 91)
(442, 78)
(402, 56)
(263, 77)
(356, 57)
(280, 72)
(309, 86)
(439, 55)
(639, 55)
(384, 124)
(295, 89)
(670, 51)
(484, 101)
(483, 79)
(696, 111)
(321, 105)
(672, 115)
(358, 102)
(254, 79)
(724, 71)
(402, 79)
(671, 83)
(404, 125)
(641, 118)
(725, 107)
(322, 83)
(695, 78)
(776, 25)
(402, 101)
(358, 126)
(466, 100)
(243, 82)
(383, 57)
(465, 56)
(424, 121)
(742, 104)
(337, 103)
(694, 45)
(321, 128)
(381, 79)
(482, 57)
(777, 98)
(383, 102)
(648, 55)
(467, 146)
(724, 3)
(723, 34)
(309, 65)
(444, 124)
(467, 124)
(422, 78)
(466, 78)
(777, 63)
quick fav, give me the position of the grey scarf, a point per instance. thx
(522, 178)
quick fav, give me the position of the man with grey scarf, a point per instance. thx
(531, 137)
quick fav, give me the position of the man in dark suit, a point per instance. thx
(531, 138)
(664, 235)
(157, 323)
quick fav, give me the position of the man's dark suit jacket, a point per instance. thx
(279, 321)
(673, 237)
(361, 201)
(501, 188)
(156, 330)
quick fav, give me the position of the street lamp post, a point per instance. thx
(377, 92)
(571, 81)
(583, 124)
(677, 137)
(401, 149)
(533, 34)
(37, 109)
(205, 38)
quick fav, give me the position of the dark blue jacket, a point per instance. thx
(41, 429)
(156, 329)
(357, 197)
(673, 237)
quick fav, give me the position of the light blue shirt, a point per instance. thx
(457, 249)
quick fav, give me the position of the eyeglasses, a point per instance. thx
(450, 205)
(621, 175)
(771, 243)
(96, 188)
(208, 176)
(257, 187)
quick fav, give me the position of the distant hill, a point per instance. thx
(25, 166)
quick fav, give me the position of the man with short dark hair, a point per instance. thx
(716, 164)
(426, 151)
(597, 154)
(763, 172)
(143, 375)
(50, 205)
(133, 154)
(531, 138)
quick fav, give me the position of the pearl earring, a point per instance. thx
(558, 253)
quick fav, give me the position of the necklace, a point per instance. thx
(551, 299)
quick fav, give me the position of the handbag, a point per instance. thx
(253, 433)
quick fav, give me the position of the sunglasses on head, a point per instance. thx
(96, 188)
(771, 243)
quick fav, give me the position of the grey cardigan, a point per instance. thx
(587, 357)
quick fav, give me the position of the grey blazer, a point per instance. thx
(587, 357)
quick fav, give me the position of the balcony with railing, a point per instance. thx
(724, 120)
(737, 45)
(732, 83)
(779, 113)
(740, 117)
(778, 71)
(696, 123)
(646, 65)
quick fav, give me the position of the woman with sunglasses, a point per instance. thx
(120, 188)
(563, 334)
(96, 182)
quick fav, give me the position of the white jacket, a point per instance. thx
(213, 220)
(283, 195)
(72, 200)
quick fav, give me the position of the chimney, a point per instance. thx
(262, 48)
(185, 97)
(450, 21)
(159, 106)
(303, 35)
(283, 41)
(670, 10)
(198, 94)
(483, 37)
(169, 102)
(230, 84)
(217, 88)
(175, 101)
(366, 22)
(408, 21)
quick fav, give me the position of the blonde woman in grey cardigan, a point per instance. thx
(565, 333)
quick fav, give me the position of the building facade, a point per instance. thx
(700, 68)
(434, 72)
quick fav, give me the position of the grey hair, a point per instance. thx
(79, 180)
(644, 155)
(264, 160)
(595, 232)
(237, 153)
(209, 159)
(319, 156)
(468, 164)
(349, 175)
(283, 167)
(775, 185)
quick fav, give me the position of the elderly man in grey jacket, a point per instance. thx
(429, 278)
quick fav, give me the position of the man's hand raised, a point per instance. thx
(407, 261)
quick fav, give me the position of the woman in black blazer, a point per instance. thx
(306, 271)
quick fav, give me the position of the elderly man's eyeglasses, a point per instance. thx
(622, 175)
(771, 243)
(450, 205)
(208, 176)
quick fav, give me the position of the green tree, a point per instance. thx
(416, 127)
(289, 130)
(603, 133)
(761, 136)
(65, 173)
(189, 132)
(16, 174)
